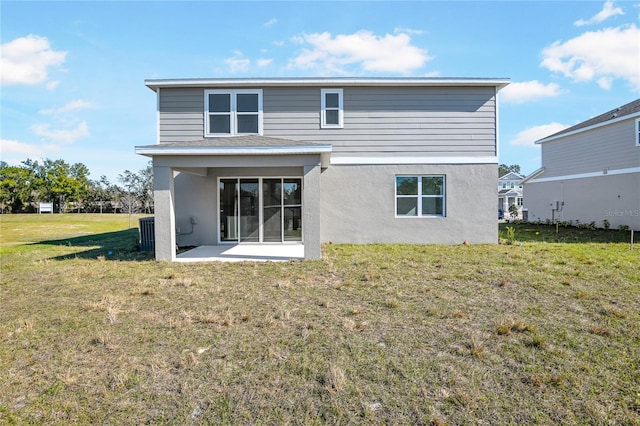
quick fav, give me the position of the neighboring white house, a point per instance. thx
(317, 160)
(510, 193)
(590, 172)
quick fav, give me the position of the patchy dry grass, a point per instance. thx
(540, 333)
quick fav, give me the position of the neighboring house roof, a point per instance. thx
(509, 191)
(511, 176)
(630, 110)
(155, 84)
(238, 145)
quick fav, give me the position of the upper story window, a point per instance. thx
(332, 113)
(233, 112)
(420, 195)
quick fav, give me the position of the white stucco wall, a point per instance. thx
(615, 198)
(358, 205)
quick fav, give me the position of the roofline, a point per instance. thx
(155, 84)
(584, 129)
(533, 175)
(506, 174)
(231, 150)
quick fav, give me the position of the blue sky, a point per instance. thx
(72, 73)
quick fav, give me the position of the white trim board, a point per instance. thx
(412, 160)
(154, 84)
(199, 150)
(588, 175)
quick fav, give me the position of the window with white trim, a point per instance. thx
(332, 114)
(638, 132)
(420, 196)
(519, 201)
(232, 112)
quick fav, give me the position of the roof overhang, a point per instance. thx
(155, 84)
(165, 150)
(533, 175)
(585, 129)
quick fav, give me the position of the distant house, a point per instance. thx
(317, 160)
(510, 193)
(590, 172)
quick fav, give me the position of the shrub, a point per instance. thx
(606, 224)
(511, 235)
(624, 228)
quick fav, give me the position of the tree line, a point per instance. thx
(69, 188)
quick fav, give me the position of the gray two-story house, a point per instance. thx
(590, 172)
(309, 161)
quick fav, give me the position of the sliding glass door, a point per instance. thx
(260, 210)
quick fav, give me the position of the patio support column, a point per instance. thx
(311, 212)
(165, 221)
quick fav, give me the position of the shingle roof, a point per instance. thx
(245, 141)
(627, 109)
(248, 145)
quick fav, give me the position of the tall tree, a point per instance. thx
(129, 194)
(146, 187)
(503, 169)
(15, 188)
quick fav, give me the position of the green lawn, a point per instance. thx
(91, 331)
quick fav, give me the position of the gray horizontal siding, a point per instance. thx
(181, 115)
(385, 120)
(608, 147)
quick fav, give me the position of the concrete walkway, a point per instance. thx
(243, 252)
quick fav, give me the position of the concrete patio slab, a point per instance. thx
(243, 252)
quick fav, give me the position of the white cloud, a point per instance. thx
(26, 60)
(237, 63)
(51, 85)
(66, 136)
(527, 137)
(607, 11)
(270, 23)
(264, 62)
(517, 93)
(297, 39)
(8, 146)
(70, 106)
(372, 53)
(609, 53)
(403, 30)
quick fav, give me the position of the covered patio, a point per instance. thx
(225, 195)
(243, 253)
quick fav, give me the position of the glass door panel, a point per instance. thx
(228, 210)
(272, 211)
(293, 224)
(292, 204)
(249, 210)
(257, 210)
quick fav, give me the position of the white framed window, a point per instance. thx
(519, 201)
(232, 112)
(332, 114)
(420, 196)
(638, 132)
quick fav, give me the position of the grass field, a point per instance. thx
(91, 331)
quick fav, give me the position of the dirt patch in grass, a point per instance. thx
(400, 334)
